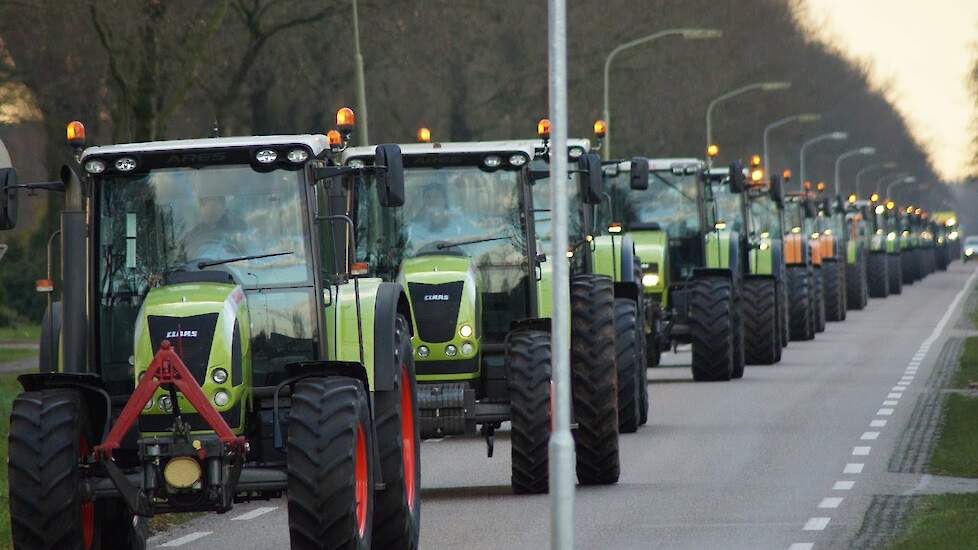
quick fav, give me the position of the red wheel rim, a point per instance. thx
(408, 448)
(87, 506)
(361, 478)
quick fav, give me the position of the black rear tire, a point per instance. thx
(528, 362)
(594, 379)
(784, 321)
(833, 286)
(49, 433)
(628, 345)
(330, 433)
(739, 358)
(711, 323)
(894, 272)
(118, 527)
(397, 510)
(879, 284)
(760, 313)
(800, 306)
(907, 263)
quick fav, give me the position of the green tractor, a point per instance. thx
(911, 257)
(803, 265)
(948, 219)
(213, 350)
(691, 263)
(833, 232)
(479, 289)
(861, 266)
(868, 229)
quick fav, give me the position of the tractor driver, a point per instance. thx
(435, 220)
(216, 233)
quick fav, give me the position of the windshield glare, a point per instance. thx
(670, 201)
(176, 218)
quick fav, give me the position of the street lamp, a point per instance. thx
(870, 168)
(847, 154)
(836, 136)
(892, 184)
(803, 118)
(687, 34)
(879, 183)
(762, 86)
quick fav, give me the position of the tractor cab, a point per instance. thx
(210, 340)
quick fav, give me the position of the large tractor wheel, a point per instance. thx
(397, 511)
(739, 357)
(118, 527)
(833, 281)
(330, 474)
(784, 321)
(907, 262)
(800, 305)
(594, 379)
(879, 285)
(856, 282)
(50, 439)
(628, 347)
(712, 328)
(761, 339)
(528, 361)
(819, 285)
(894, 272)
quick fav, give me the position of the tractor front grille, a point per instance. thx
(436, 309)
(191, 337)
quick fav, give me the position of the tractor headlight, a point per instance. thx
(125, 164)
(451, 350)
(298, 155)
(165, 403)
(220, 376)
(891, 236)
(266, 156)
(356, 163)
(517, 160)
(650, 279)
(492, 161)
(95, 166)
(222, 398)
(423, 351)
(575, 152)
(148, 405)
(467, 348)
(764, 245)
(465, 331)
(953, 236)
(969, 252)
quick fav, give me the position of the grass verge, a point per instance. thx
(21, 333)
(7, 354)
(968, 367)
(942, 521)
(956, 452)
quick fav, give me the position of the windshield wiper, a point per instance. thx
(444, 245)
(670, 184)
(202, 265)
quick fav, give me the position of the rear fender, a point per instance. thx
(614, 256)
(391, 301)
(90, 385)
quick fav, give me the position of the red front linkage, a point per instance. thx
(167, 368)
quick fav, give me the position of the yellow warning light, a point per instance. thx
(820, 186)
(807, 185)
(852, 198)
(76, 134)
(917, 211)
(890, 205)
(543, 128)
(874, 197)
(600, 128)
(713, 151)
(755, 161)
(345, 119)
(334, 138)
(424, 135)
(756, 175)
(786, 175)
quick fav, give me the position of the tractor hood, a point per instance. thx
(651, 247)
(207, 324)
(443, 295)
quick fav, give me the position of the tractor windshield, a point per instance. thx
(541, 211)
(169, 221)
(670, 201)
(765, 217)
(728, 206)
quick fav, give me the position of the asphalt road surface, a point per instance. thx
(788, 457)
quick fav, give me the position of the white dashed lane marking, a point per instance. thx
(255, 513)
(894, 395)
(830, 502)
(816, 524)
(878, 423)
(843, 485)
(870, 436)
(802, 546)
(853, 468)
(185, 539)
(884, 412)
(861, 451)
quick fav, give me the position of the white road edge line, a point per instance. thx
(255, 513)
(802, 546)
(186, 538)
(935, 334)
(816, 524)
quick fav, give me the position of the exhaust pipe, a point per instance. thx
(74, 274)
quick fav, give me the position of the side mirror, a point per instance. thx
(810, 210)
(8, 198)
(639, 174)
(777, 190)
(390, 181)
(593, 182)
(738, 182)
(827, 206)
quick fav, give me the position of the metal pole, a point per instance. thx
(809, 143)
(879, 183)
(361, 85)
(870, 168)
(805, 117)
(847, 154)
(766, 86)
(561, 443)
(690, 34)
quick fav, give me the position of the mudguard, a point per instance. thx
(614, 256)
(390, 300)
(722, 250)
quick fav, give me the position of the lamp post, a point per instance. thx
(763, 86)
(870, 168)
(836, 136)
(844, 156)
(358, 75)
(896, 182)
(687, 34)
(803, 118)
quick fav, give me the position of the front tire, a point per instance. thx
(329, 464)
(528, 360)
(594, 379)
(630, 362)
(712, 328)
(894, 272)
(761, 338)
(879, 286)
(800, 305)
(819, 286)
(397, 511)
(833, 287)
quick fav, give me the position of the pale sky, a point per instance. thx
(920, 53)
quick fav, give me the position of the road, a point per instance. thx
(788, 457)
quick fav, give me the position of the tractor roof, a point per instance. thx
(316, 142)
(662, 164)
(462, 147)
